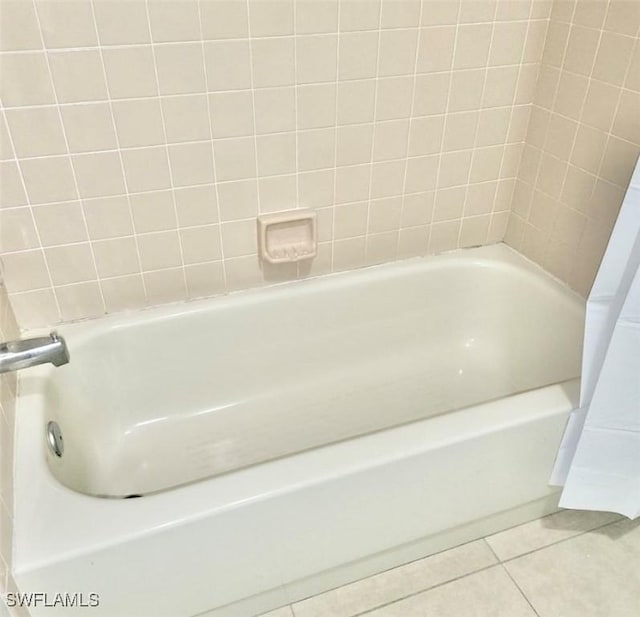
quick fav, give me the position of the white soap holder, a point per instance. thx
(286, 237)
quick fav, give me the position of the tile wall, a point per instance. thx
(583, 139)
(140, 139)
(8, 331)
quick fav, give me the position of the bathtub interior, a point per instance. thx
(168, 398)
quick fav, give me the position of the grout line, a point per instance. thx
(127, 194)
(73, 173)
(166, 147)
(520, 590)
(409, 128)
(287, 36)
(544, 140)
(513, 111)
(335, 141)
(354, 124)
(251, 39)
(213, 155)
(444, 125)
(477, 133)
(39, 248)
(373, 136)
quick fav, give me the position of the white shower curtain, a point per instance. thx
(599, 458)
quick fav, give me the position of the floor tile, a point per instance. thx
(546, 531)
(395, 584)
(593, 575)
(489, 593)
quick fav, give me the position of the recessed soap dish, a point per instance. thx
(286, 237)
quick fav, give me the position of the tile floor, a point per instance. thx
(569, 564)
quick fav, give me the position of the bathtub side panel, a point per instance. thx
(261, 545)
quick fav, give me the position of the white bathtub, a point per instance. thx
(290, 439)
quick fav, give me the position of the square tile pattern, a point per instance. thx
(583, 139)
(572, 563)
(155, 118)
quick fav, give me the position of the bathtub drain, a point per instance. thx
(54, 439)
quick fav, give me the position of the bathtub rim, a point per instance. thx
(498, 254)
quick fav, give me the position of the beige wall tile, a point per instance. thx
(174, 21)
(228, 65)
(191, 164)
(205, 279)
(435, 52)
(316, 150)
(130, 72)
(180, 68)
(25, 271)
(72, 263)
(224, 19)
(186, 118)
(614, 54)
(108, 217)
(123, 293)
(116, 257)
(422, 174)
(273, 62)
(387, 179)
(159, 250)
(348, 254)
(201, 244)
(196, 205)
(425, 135)
(80, 301)
(25, 79)
(36, 131)
(235, 158)
(400, 13)
(89, 127)
(18, 26)
(165, 286)
(472, 46)
(356, 15)
(239, 238)
(17, 230)
(278, 193)
(61, 223)
(315, 58)
(146, 169)
(121, 22)
(48, 179)
(271, 17)
(78, 76)
(446, 94)
(35, 308)
(358, 55)
(315, 17)
(356, 101)
(154, 211)
(232, 112)
(316, 106)
(277, 153)
(393, 98)
(66, 24)
(354, 144)
(397, 52)
(99, 174)
(384, 215)
(508, 43)
(138, 123)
